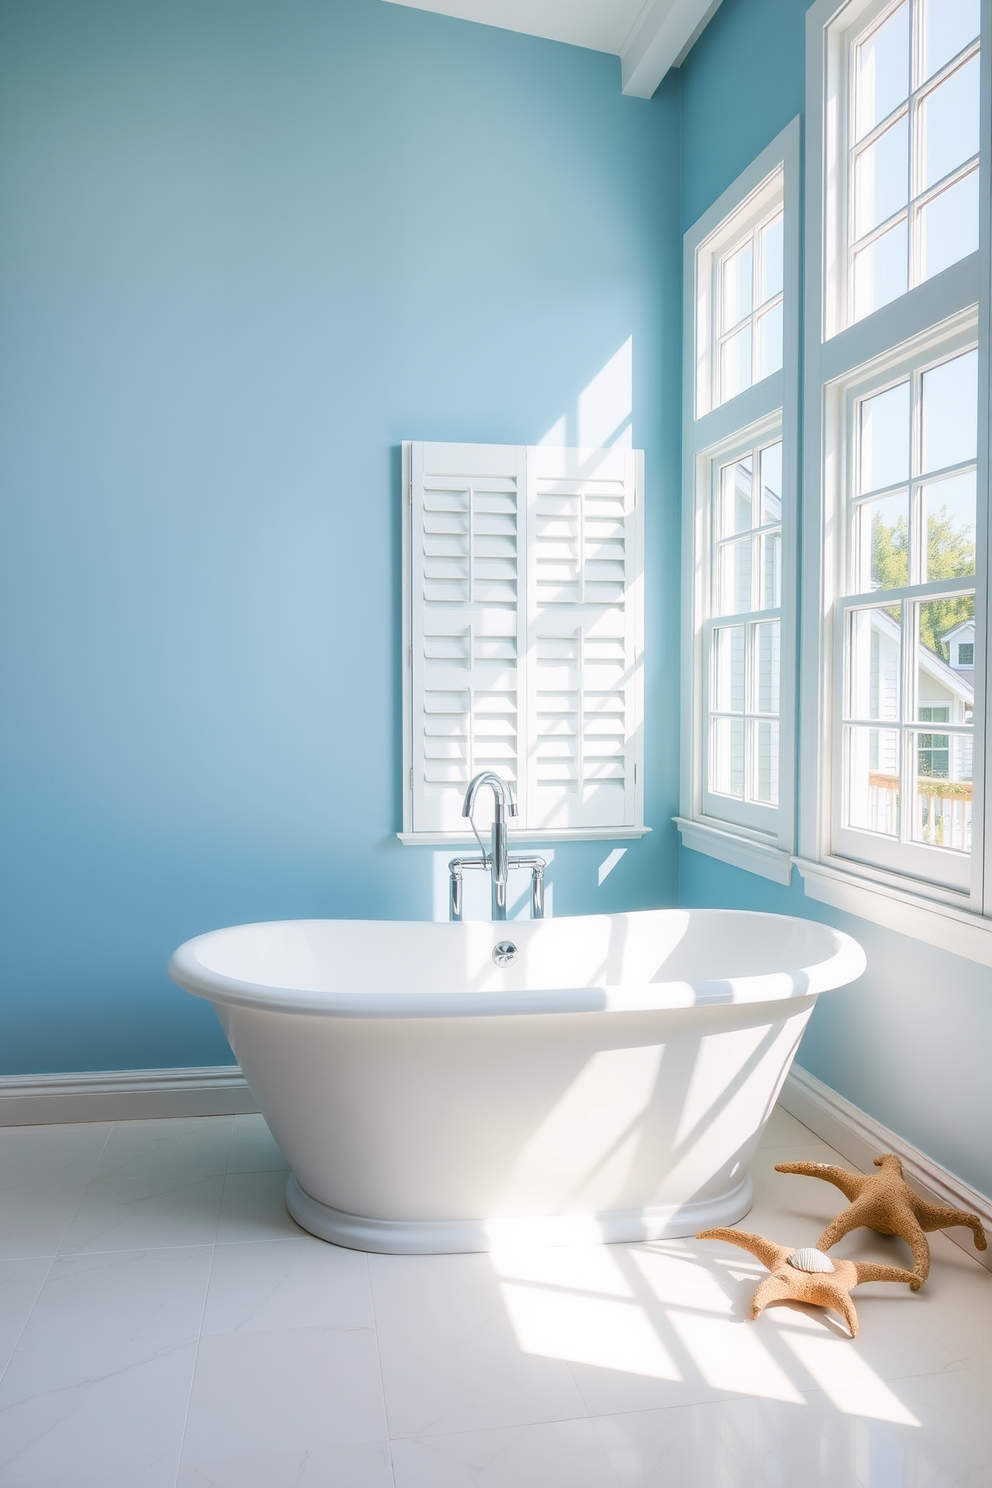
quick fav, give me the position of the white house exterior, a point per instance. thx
(960, 643)
(944, 695)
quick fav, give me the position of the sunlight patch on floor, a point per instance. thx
(846, 1379)
(730, 1356)
(585, 1268)
(587, 1330)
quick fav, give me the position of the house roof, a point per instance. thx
(935, 666)
(964, 625)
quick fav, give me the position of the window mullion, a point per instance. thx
(907, 711)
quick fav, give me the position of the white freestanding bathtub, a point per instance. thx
(610, 1083)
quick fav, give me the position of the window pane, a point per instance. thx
(734, 578)
(881, 72)
(874, 646)
(769, 342)
(872, 770)
(948, 132)
(735, 364)
(881, 271)
(942, 815)
(728, 669)
(766, 666)
(770, 251)
(727, 757)
(735, 498)
(881, 543)
(881, 178)
(944, 762)
(933, 750)
(949, 226)
(949, 517)
(950, 412)
(885, 438)
(764, 762)
(939, 624)
(948, 25)
(771, 484)
(737, 273)
(771, 571)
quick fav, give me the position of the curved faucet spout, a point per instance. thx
(502, 793)
(505, 806)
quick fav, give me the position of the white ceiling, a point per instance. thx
(649, 36)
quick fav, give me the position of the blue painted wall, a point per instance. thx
(909, 1042)
(247, 248)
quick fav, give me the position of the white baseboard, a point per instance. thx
(124, 1095)
(860, 1138)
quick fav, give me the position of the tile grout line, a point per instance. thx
(57, 1255)
(31, 1310)
(84, 1192)
(378, 1360)
(203, 1312)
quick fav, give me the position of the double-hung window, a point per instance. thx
(895, 576)
(902, 795)
(902, 107)
(740, 459)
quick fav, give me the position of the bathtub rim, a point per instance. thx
(844, 965)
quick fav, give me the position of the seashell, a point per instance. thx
(810, 1259)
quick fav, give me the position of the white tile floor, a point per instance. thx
(165, 1324)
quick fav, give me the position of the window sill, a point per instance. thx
(753, 854)
(522, 839)
(939, 923)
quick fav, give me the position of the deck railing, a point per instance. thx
(943, 809)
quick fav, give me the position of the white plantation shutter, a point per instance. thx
(466, 503)
(522, 623)
(583, 606)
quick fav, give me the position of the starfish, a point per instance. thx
(792, 1278)
(885, 1202)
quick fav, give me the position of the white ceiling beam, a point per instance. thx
(600, 25)
(649, 37)
(659, 39)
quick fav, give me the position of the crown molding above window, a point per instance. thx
(649, 36)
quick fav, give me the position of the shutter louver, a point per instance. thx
(465, 520)
(523, 614)
(583, 605)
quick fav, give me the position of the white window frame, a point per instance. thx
(836, 358)
(758, 839)
(907, 859)
(738, 812)
(841, 25)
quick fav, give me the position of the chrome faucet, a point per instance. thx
(499, 860)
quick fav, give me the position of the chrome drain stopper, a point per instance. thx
(504, 953)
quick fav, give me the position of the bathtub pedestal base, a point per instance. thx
(454, 1236)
